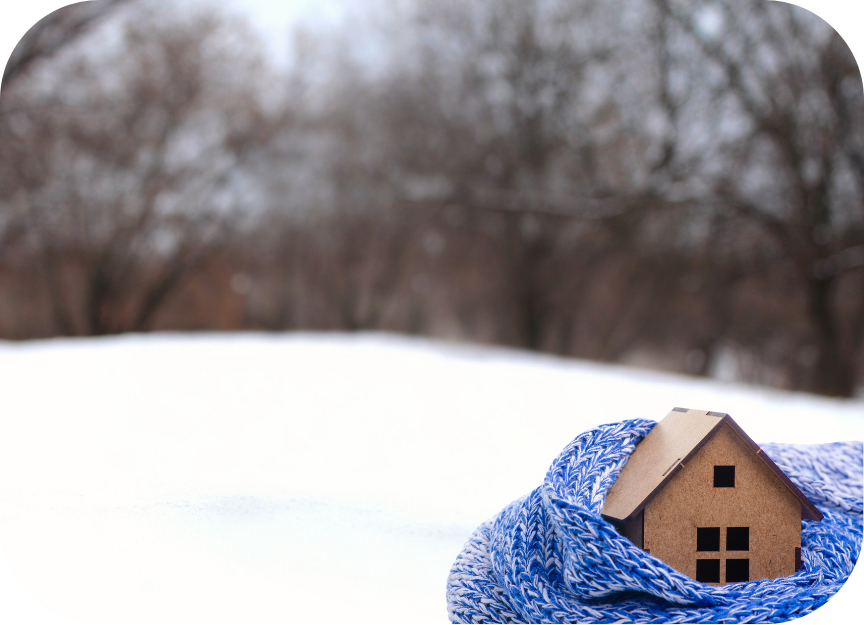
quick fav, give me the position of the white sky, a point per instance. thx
(274, 18)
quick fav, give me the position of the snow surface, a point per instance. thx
(301, 477)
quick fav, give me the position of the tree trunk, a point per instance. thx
(833, 370)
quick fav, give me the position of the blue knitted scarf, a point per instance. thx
(550, 557)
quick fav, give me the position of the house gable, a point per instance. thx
(758, 505)
(667, 448)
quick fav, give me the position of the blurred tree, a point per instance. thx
(776, 97)
(670, 182)
(507, 110)
(124, 169)
(54, 32)
(645, 173)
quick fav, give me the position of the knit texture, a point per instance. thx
(550, 557)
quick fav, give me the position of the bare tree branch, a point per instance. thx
(54, 32)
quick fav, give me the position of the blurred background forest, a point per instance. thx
(676, 184)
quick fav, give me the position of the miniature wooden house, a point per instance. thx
(701, 496)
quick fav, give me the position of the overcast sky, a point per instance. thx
(274, 18)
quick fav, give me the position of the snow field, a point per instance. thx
(298, 477)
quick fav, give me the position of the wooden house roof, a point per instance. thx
(666, 449)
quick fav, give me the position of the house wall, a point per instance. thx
(759, 501)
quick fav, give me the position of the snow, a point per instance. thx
(300, 477)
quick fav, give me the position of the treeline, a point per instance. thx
(667, 182)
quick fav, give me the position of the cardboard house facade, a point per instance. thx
(701, 496)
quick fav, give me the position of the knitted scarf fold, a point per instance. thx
(549, 557)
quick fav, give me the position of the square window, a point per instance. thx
(707, 539)
(737, 539)
(724, 477)
(708, 571)
(737, 570)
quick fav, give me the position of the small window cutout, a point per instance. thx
(707, 539)
(737, 539)
(737, 570)
(724, 477)
(708, 571)
(797, 559)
